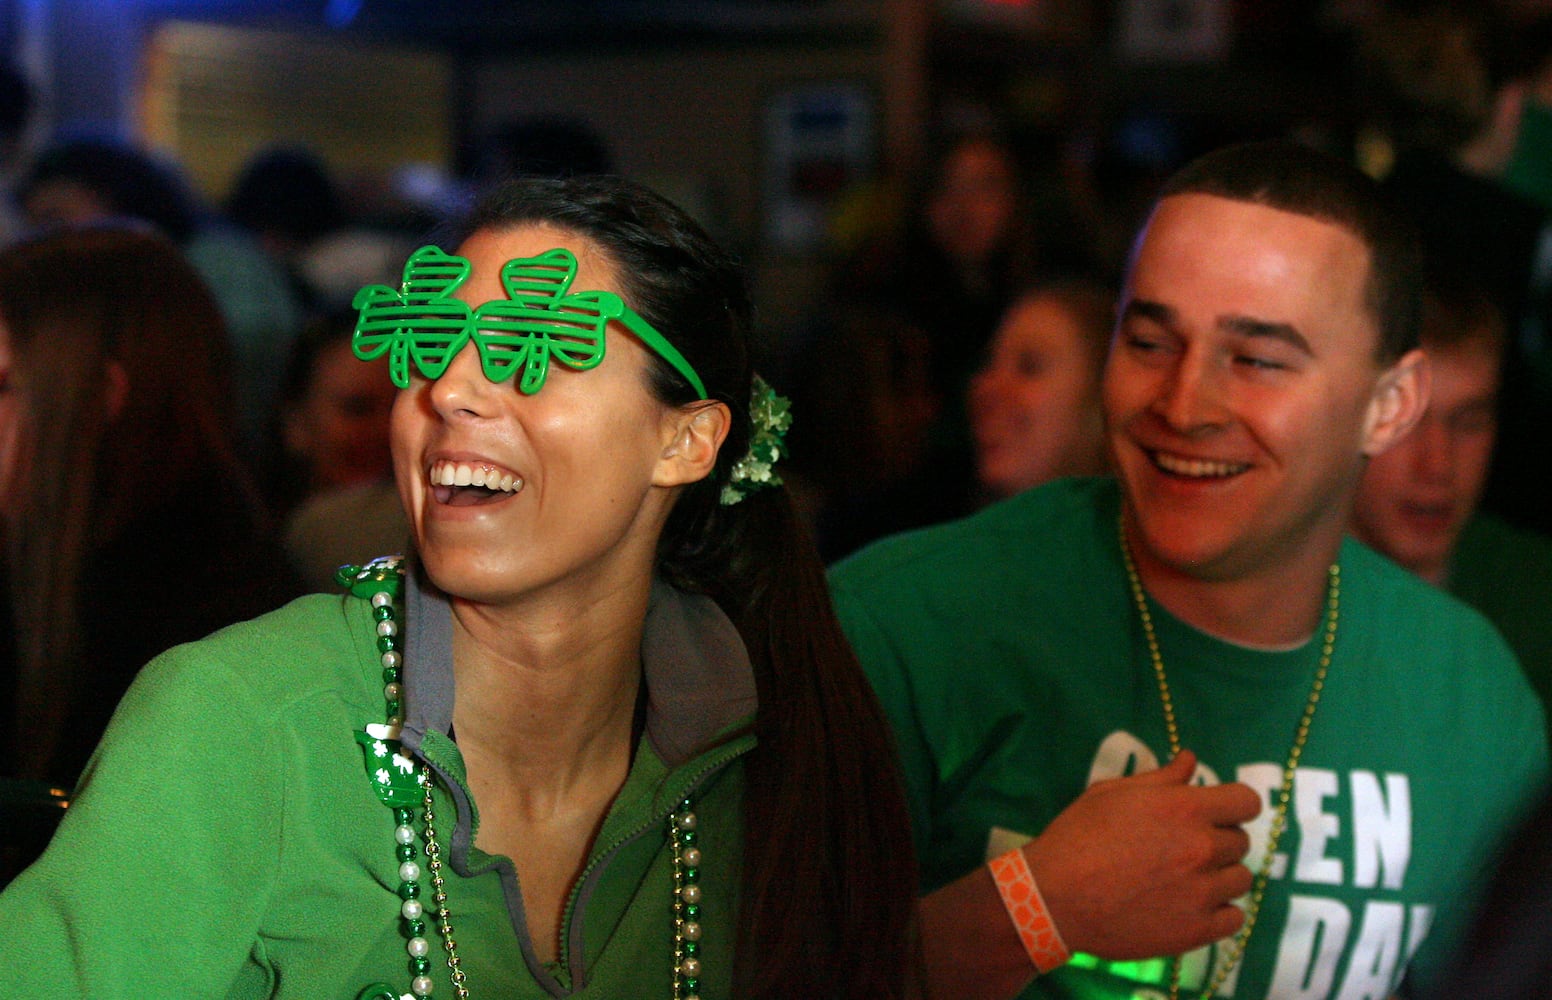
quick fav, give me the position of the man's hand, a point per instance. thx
(1135, 868)
(1147, 865)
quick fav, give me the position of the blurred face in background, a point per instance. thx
(1034, 406)
(1416, 497)
(970, 211)
(63, 202)
(339, 427)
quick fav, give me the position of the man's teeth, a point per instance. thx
(488, 476)
(1197, 466)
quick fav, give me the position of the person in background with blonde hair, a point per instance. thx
(1034, 405)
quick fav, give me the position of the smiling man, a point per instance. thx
(1201, 631)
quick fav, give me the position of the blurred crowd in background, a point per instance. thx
(236, 452)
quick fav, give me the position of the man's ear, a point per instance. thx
(117, 390)
(693, 435)
(1400, 397)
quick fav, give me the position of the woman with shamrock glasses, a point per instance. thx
(598, 735)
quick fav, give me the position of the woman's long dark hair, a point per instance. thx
(71, 301)
(829, 877)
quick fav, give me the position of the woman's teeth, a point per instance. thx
(463, 474)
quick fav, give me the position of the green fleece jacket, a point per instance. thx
(227, 843)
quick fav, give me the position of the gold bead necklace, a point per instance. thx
(1285, 792)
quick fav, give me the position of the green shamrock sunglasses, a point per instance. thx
(422, 326)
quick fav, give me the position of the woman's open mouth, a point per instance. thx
(464, 483)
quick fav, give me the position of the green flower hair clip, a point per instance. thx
(423, 327)
(770, 417)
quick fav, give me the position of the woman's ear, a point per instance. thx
(1400, 398)
(117, 390)
(693, 435)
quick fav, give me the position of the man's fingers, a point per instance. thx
(1231, 804)
(1230, 883)
(1230, 845)
(1221, 805)
(1225, 921)
(1176, 772)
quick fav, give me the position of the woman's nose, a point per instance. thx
(463, 391)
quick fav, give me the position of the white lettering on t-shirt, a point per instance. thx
(1417, 927)
(1312, 944)
(1371, 969)
(1382, 829)
(1311, 787)
(1266, 779)
(1353, 829)
(1317, 933)
(1121, 754)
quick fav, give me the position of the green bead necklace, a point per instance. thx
(1301, 733)
(687, 902)
(401, 786)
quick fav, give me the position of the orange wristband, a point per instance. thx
(1026, 908)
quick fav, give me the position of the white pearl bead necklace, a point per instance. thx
(682, 836)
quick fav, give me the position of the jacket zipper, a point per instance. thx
(602, 858)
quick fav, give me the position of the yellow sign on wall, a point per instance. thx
(214, 95)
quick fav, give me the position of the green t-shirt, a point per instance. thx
(1007, 652)
(1506, 573)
